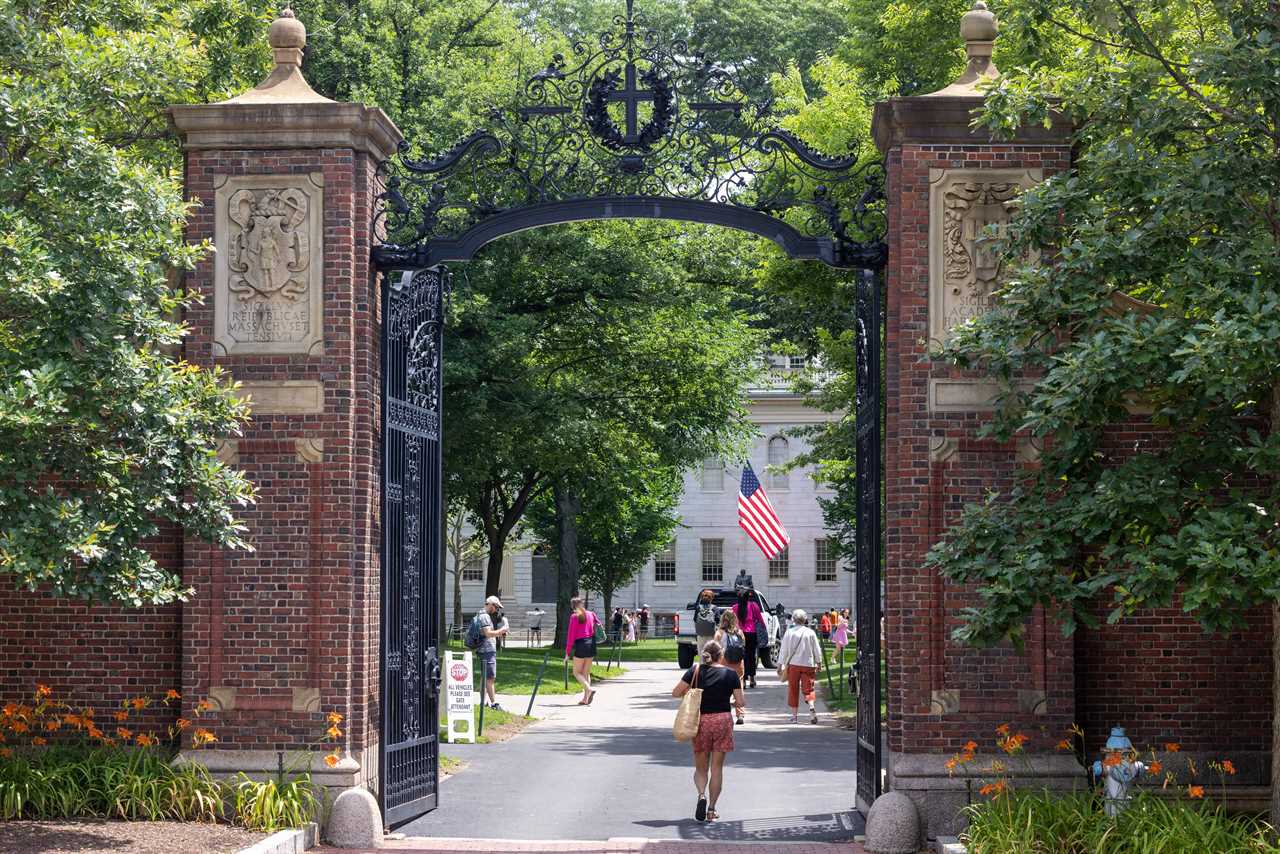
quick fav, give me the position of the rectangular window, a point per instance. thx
(664, 565)
(780, 566)
(824, 561)
(713, 475)
(473, 570)
(797, 363)
(712, 561)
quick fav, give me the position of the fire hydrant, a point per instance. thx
(1117, 769)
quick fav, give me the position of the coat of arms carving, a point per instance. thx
(269, 282)
(969, 209)
(269, 251)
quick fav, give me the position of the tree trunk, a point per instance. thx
(607, 597)
(493, 572)
(458, 616)
(1275, 656)
(568, 505)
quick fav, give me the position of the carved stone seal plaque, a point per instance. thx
(269, 277)
(963, 268)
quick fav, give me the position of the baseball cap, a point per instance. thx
(493, 600)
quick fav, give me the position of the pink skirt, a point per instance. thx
(715, 733)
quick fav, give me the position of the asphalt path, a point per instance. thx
(612, 770)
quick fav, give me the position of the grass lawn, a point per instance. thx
(651, 649)
(518, 670)
(499, 725)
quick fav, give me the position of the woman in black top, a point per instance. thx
(720, 686)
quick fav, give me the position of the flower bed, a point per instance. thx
(61, 762)
(1019, 822)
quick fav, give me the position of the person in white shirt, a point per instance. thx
(798, 663)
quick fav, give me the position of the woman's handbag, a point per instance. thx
(599, 635)
(689, 715)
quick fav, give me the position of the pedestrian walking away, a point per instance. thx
(580, 645)
(704, 618)
(748, 609)
(840, 637)
(488, 625)
(824, 625)
(734, 644)
(617, 624)
(798, 662)
(721, 688)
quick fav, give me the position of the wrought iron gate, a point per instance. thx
(868, 536)
(412, 326)
(579, 147)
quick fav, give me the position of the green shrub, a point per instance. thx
(273, 805)
(1074, 823)
(108, 782)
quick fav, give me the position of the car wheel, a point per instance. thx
(685, 653)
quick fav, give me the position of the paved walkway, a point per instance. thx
(612, 772)
(612, 846)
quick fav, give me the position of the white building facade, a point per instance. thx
(709, 547)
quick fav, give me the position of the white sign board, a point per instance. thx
(460, 697)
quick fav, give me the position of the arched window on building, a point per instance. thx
(779, 453)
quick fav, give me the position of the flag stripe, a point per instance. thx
(755, 529)
(766, 525)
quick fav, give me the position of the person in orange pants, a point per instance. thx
(798, 662)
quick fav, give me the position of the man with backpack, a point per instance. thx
(479, 638)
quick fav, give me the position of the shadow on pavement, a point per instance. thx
(819, 827)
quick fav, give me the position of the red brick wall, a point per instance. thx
(93, 655)
(923, 497)
(295, 613)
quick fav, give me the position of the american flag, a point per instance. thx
(757, 517)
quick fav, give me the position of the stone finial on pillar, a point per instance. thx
(978, 28)
(285, 83)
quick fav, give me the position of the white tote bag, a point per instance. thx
(690, 712)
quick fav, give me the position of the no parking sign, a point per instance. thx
(460, 698)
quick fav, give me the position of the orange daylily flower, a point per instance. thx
(39, 741)
(125, 734)
(1172, 747)
(1228, 767)
(331, 760)
(1064, 745)
(992, 788)
(203, 706)
(952, 763)
(334, 718)
(201, 737)
(970, 746)
(53, 725)
(121, 717)
(1195, 791)
(145, 740)
(183, 723)
(1003, 729)
(6, 752)
(43, 690)
(334, 732)
(1155, 767)
(1111, 760)
(172, 695)
(140, 703)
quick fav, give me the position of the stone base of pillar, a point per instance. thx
(264, 764)
(941, 796)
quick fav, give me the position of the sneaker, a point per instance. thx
(813, 716)
(495, 707)
(795, 719)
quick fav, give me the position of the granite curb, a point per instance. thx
(291, 841)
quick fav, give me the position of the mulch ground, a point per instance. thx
(134, 837)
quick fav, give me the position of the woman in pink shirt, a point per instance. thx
(580, 644)
(749, 617)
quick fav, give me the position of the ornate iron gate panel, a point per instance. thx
(868, 536)
(412, 326)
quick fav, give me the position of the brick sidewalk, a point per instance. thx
(422, 845)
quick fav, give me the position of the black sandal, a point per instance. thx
(700, 811)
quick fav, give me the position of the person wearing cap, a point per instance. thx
(492, 625)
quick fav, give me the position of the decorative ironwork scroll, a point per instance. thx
(412, 310)
(632, 126)
(868, 535)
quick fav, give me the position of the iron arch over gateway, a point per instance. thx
(705, 153)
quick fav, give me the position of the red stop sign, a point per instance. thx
(458, 672)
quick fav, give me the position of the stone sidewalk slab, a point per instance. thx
(625, 845)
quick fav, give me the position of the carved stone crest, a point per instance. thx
(269, 282)
(964, 268)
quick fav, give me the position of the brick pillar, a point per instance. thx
(283, 183)
(945, 183)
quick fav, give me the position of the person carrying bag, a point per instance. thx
(690, 712)
(706, 693)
